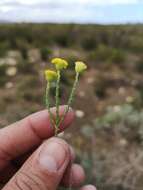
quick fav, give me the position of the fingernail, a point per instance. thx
(52, 156)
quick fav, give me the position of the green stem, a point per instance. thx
(57, 98)
(71, 98)
(47, 98)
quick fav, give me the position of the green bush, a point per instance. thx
(126, 121)
(117, 56)
(24, 53)
(3, 77)
(4, 47)
(139, 65)
(100, 88)
(62, 40)
(102, 53)
(136, 44)
(45, 53)
(89, 43)
(108, 54)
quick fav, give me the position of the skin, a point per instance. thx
(31, 158)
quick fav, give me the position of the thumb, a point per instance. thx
(44, 169)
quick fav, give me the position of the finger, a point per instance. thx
(44, 169)
(20, 137)
(88, 187)
(72, 153)
(74, 177)
(15, 165)
(18, 162)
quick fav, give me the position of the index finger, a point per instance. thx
(23, 135)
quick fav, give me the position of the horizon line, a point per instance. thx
(66, 23)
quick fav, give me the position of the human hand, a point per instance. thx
(29, 161)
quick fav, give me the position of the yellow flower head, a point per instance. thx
(80, 66)
(50, 75)
(60, 63)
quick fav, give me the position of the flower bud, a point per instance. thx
(50, 75)
(80, 67)
(60, 63)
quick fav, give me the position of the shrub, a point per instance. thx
(108, 54)
(63, 40)
(117, 56)
(3, 77)
(45, 53)
(3, 48)
(100, 88)
(136, 44)
(139, 65)
(89, 43)
(24, 52)
(126, 121)
(101, 53)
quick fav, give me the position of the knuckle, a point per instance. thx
(24, 181)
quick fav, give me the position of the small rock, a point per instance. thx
(9, 85)
(2, 62)
(121, 90)
(129, 99)
(79, 113)
(11, 61)
(123, 142)
(117, 108)
(11, 71)
(90, 80)
(81, 94)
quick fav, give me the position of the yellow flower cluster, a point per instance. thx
(80, 66)
(50, 75)
(60, 64)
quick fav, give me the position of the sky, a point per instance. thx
(72, 11)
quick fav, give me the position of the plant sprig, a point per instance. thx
(52, 76)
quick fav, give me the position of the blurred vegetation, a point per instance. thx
(109, 103)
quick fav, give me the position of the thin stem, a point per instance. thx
(57, 98)
(71, 98)
(47, 98)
